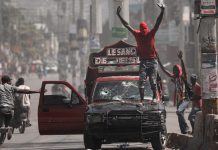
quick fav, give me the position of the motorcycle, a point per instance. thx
(20, 120)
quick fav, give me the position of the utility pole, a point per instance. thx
(62, 39)
(96, 25)
(118, 31)
(74, 49)
(1, 28)
(208, 47)
(82, 38)
(209, 74)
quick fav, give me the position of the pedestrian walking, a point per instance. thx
(145, 39)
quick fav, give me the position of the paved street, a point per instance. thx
(32, 140)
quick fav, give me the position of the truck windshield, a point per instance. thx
(120, 90)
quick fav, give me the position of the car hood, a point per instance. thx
(123, 106)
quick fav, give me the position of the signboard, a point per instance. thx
(208, 7)
(123, 55)
(119, 32)
(123, 51)
(210, 82)
(209, 76)
(120, 53)
(115, 60)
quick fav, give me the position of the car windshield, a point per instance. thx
(120, 90)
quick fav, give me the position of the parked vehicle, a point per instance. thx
(51, 67)
(112, 110)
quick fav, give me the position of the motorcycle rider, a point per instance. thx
(23, 99)
(7, 98)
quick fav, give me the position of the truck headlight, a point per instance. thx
(94, 118)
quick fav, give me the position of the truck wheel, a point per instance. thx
(159, 141)
(91, 142)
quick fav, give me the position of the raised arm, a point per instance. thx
(180, 55)
(184, 75)
(169, 74)
(126, 24)
(25, 91)
(160, 17)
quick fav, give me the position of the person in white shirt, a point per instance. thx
(24, 99)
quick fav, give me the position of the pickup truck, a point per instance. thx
(111, 111)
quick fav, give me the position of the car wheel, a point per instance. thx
(91, 142)
(159, 141)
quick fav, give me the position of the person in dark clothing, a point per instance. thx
(196, 100)
(147, 52)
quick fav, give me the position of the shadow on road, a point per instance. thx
(112, 149)
(58, 146)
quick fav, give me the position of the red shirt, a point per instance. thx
(145, 43)
(197, 91)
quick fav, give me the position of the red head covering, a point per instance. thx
(177, 68)
(143, 27)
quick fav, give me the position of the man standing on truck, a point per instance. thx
(147, 52)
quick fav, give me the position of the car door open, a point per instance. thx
(61, 109)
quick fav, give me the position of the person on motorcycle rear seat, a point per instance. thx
(24, 99)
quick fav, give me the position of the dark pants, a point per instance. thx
(148, 68)
(180, 113)
(6, 115)
(192, 116)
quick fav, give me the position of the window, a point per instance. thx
(57, 94)
(120, 90)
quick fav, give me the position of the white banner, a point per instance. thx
(210, 83)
